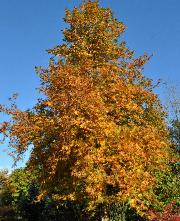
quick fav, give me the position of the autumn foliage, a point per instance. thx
(170, 213)
(99, 133)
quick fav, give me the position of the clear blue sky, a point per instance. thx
(28, 28)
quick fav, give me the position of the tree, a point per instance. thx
(15, 194)
(25, 193)
(7, 211)
(174, 115)
(168, 188)
(99, 134)
(5, 188)
(21, 180)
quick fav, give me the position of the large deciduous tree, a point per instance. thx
(99, 132)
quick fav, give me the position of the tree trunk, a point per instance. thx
(105, 216)
(105, 219)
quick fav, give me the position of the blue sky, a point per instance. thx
(28, 28)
